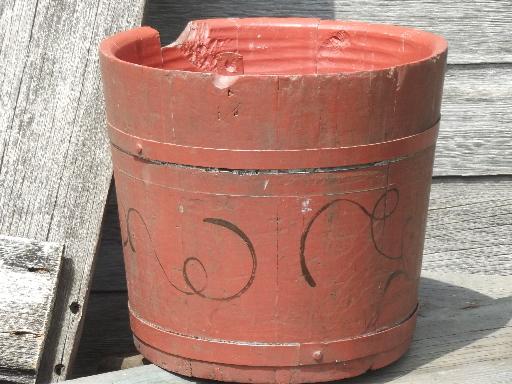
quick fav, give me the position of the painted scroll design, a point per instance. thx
(132, 213)
(372, 216)
(232, 227)
(378, 309)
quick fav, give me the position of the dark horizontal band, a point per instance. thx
(272, 159)
(271, 354)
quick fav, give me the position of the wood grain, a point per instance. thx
(464, 334)
(475, 136)
(470, 227)
(109, 275)
(54, 160)
(477, 31)
(29, 273)
(461, 336)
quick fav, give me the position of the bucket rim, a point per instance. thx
(144, 43)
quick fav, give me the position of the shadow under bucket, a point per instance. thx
(273, 178)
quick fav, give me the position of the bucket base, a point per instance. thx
(264, 375)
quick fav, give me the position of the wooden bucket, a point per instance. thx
(273, 178)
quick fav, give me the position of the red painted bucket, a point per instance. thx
(273, 178)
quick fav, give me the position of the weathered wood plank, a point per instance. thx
(470, 227)
(475, 136)
(477, 31)
(464, 335)
(54, 164)
(29, 273)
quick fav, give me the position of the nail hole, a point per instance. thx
(230, 92)
(74, 307)
(58, 369)
(21, 333)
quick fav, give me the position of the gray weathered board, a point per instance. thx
(55, 167)
(475, 135)
(28, 279)
(470, 227)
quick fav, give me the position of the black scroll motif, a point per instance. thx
(129, 234)
(372, 216)
(232, 227)
(194, 290)
(378, 309)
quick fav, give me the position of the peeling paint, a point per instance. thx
(223, 82)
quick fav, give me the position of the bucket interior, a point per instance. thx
(295, 47)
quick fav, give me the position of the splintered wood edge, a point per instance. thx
(29, 272)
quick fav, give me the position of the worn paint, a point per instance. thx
(273, 224)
